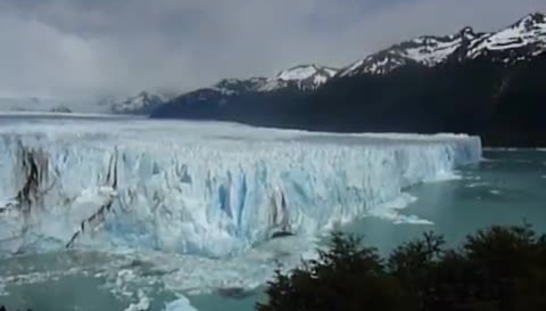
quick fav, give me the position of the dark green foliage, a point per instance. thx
(344, 278)
(498, 269)
(3, 308)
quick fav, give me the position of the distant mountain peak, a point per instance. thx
(303, 72)
(529, 22)
(236, 86)
(466, 30)
(533, 19)
(304, 77)
(227, 82)
(467, 33)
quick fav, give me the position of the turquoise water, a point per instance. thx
(507, 188)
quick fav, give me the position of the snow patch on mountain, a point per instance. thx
(304, 77)
(237, 86)
(297, 73)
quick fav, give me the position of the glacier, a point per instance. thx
(208, 189)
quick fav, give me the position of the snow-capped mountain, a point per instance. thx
(302, 77)
(523, 39)
(142, 103)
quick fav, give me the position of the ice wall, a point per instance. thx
(180, 193)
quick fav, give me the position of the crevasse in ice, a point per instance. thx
(160, 189)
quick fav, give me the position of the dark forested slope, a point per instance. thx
(504, 103)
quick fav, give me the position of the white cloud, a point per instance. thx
(80, 46)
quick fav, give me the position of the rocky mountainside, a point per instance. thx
(490, 84)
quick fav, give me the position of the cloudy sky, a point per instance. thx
(52, 47)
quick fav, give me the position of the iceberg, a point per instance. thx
(200, 188)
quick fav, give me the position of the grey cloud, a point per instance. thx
(82, 46)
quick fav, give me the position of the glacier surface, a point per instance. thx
(200, 188)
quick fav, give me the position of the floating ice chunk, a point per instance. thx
(398, 218)
(477, 184)
(181, 304)
(390, 211)
(412, 220)
(143, 303)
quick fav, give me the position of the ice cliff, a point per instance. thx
(205, 189)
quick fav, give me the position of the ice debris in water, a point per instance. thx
(143, 303)
(181, 304)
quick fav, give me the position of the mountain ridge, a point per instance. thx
(466, 43)
(428, 50)
(469, 81)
